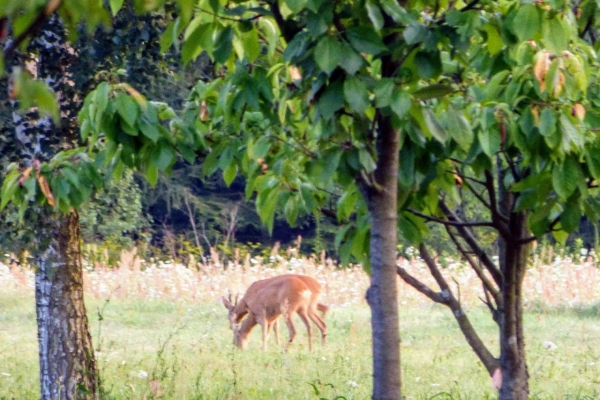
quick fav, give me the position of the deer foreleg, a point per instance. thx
(264, 324)
(291, 328)
(276, 330)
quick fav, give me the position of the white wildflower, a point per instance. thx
(6, 374)
(352, 384)
(142, 374)
(548, 345)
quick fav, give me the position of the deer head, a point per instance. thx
(231, 306)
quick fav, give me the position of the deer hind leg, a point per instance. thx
(304, 315)
(320, 324)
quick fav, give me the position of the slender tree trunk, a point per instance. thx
(67, 364)
(382, 295)
(513, 264)
(515, 377)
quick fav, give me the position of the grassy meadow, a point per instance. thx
(160, 331)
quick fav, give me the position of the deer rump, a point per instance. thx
(267, 299)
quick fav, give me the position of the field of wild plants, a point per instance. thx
(160, 331)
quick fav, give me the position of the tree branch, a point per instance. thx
(420, 286)
(288, 29)
(446, 222)
(473, 244)
(484, 355)
(487, 284)
(33, 28)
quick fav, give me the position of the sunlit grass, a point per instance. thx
(156, 341)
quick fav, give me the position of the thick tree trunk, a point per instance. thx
(67, 363)
(515, 377)
(382, 296)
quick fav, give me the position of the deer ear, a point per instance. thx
(227, 303)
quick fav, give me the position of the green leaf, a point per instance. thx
(332, 100)
(434, 126)
(224, 45)
(163, 156)
(489, 139)
(328, 53)
(366, 160)
(149, 130)
(409, 230)
(428, 64)
(260, 148)
(571, 216)
(192, 47)
(397, 12)
(400, 103)
(9, 187)
(351, 60)
(571, 137)
(460, 129)
(127, 108)
(415, 33)
(433, 92)
(566, 177)
(365, 40)
(538, 220)
(384, 88)
(152, 175)
(115, 6)
(324, 167)
(296, 5)
(346, 204)
(494, 40)
(375, 15)
(527, 22)
(71, 176)
(547, 124)
(251, 45)
(556, 34)
(230, 173)
(356, 94)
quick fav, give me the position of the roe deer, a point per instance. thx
(238, 310)
(280, 297)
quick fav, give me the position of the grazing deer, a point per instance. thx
(238, 310)
(280, 297)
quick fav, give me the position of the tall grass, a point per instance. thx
(160, 331)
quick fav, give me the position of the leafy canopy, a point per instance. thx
(300, 83)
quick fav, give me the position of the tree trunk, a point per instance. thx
(382, 295)
(513, 264)
(67, 363)
(515, 377)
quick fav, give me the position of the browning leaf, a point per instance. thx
(46, 189)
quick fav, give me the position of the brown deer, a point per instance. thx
(238, 310)
(280, 297)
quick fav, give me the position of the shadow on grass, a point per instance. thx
(581, 311)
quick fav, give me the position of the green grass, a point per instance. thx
(185, 350)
